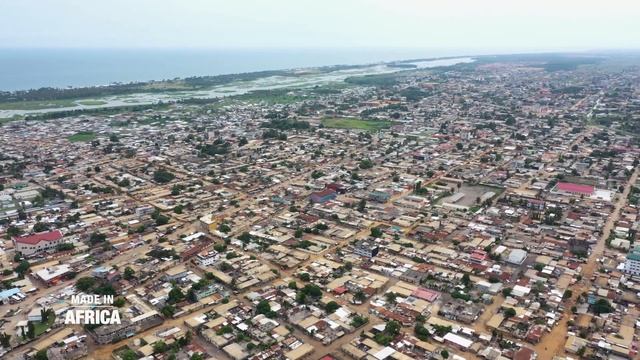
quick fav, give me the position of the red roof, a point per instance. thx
(340, 290)
(575, 188)
(425, 294)
(36, 238)
(323, 193)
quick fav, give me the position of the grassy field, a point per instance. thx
(82, 136)
(91, 102)
(41, 327)
(357, 124)
(37, 105)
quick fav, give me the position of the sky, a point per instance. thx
(477, 25)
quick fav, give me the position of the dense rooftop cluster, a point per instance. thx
(479, 211)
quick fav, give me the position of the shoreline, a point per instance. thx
(209, 87)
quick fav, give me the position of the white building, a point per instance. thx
(33, 244)
(632, 264)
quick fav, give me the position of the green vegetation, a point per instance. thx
(162, 176)
(40, 327)
(391, 330)
(602, 306)
(36, 105)
(83, 136)
(357, 124)
(271, 97)
(358, 321)
(381, 80)
(91, 102)
(331, 307)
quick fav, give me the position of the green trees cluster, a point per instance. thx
(162, 176)
(391, 330)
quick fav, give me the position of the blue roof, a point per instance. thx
(8, 293)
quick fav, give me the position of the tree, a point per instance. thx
(225, 266)
(65, 247)
(31, 330)
(40, 227)
(466, 280)
(245, 237)
(509, 312)
(293, 285)
(444, 354)
(263, 307)
(365, 164)
(168, 311)
(359, 296)
(305, 277)
(331, 307)
(299, 232)
(506, 292)
(119, 302)
(602, 306)
(22, 267)
(85, 284)
(175, 295)
(391, 297)
(421, 332)
(129, 354)
(13, 231)
(5, 340)
(41, 355)
(362, 205)
(128, 273)
(97, 237)
(160, 347)
(162, 220)
(376, 232)
(224, 228)
(392, 328)
(243, 141)
(358, 321)
(162, 176)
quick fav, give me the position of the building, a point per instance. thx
(9, 295)
(54, 274)
(576, 189)
(323, 196)
(379, 196)
(33, 244)
(175, 273)
(632, 264)
(517, 256)
(366, 248)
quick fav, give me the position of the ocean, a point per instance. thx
(22, 69)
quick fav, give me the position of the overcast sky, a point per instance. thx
(500, 25)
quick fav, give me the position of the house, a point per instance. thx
(379, 196)
(29, 245)
(35, 315)
(323, 196)
(366, 248)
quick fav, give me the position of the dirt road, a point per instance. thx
(553, 342)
